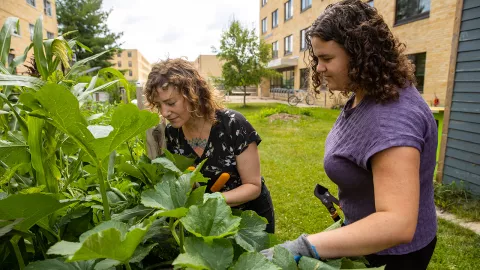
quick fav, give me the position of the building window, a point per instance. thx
(50, 35)
(419, 59)
(303, 39)
(288, 10)
(411, 10)
(11, 56)
(129, 54)
(275, 18)
(119, 54)
(288, 45)
(304, 80)
(32, 3)
(129, 63)
(288, 78)
(130, 72)
(305, 4)
(119, 63)
(264, 2)
(31, 29)
(264, 25)
(275, 49)
(370, 3)
(47, 7)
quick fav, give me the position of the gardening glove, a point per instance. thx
(298, 247)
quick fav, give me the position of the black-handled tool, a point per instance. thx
(328, 200)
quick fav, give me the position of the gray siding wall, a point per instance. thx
(462, 156)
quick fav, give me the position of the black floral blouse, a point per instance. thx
(229, 137)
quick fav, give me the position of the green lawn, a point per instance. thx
(291, 155)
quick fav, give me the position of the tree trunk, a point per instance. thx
(244, 96)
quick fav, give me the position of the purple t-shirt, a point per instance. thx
(369, 128)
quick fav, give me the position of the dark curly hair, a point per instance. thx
(193, 87)
(377, 64)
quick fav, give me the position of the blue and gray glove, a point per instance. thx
(298, 247)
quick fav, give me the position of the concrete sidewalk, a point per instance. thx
(256, 99)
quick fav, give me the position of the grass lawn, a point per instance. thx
(291, 155)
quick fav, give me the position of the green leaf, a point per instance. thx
(196, 196)
(169, 194)
(106, 264)
(19, 80)
(251, 234)
(62, 108)
(35, 142)
(183, 162)
(211, 220)
(127, 121)
(7, 226)
(283, 258)
(39, 53)
(131, 170)
(12, 153)
(176, 213)
(9, 173)
(10, 24)
(141, 252)
(137, 211)
(347, 263)
(167, 164)
(30, 207)
(110, 240)
(254, 260)
(202, 255)
(58, 264)
(311, 263)
(77, 67)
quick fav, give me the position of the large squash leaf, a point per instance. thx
(251, 234)
(211, 220)
(202, 255)
(171, 193)
(30, 207)
(110, 240)
(254, 260)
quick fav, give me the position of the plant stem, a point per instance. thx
(16, 250)
(103, 192)
(172, 230)
(127, 266)
(182, 236)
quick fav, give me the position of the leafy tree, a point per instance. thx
(89, 21)
(245, 58)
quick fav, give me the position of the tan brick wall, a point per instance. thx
(432, 35)
(140, 67)
(27, 14)
(208, 66)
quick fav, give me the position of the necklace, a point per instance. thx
(198, 142)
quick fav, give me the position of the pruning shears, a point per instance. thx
(328, 200)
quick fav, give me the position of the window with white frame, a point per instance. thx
(305, 4)
(31, 29)
(129, 54)
(264, 2)
(130, 73)
(288, 45)
(288, 10)
(303, 39)
(275, 18)
(32, 3)
(264, 25)
(50, 35)
(275, 49)
(47, 8)
(130, 64)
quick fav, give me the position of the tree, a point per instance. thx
(245, 56)
(89, 21)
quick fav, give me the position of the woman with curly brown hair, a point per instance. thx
(201, 128)
(381, 151)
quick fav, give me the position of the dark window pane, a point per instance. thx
(419, 60)
(411, 9)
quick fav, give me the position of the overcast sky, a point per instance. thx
(175, 28)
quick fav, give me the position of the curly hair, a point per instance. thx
(193, 87)
(377, 64)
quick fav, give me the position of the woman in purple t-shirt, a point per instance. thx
(381, 150)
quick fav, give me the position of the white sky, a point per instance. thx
(175, 28)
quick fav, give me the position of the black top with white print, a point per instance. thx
(229, 136)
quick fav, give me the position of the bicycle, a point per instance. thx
(299, 96)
